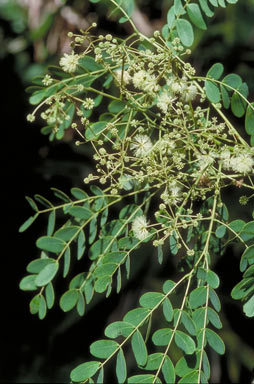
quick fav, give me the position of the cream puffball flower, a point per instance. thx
(243, 163)
(139, 227)
(69, 62)
(141, 145)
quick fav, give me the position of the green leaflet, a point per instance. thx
(247, 232)
(185, 32)
(195, 16)
(85, 371)
(49, 295)
(249, 119)
(198, 317)
(114, 227)
(51, 223)
(238, 104)
(167, 310)
(168, 286)
(103, 348)
(139, 348)
(101, 246)
(81, 245)
(243, 288)
(77, 281)
(80, 212)
(205, 8)
(28, 283)
(67, 262)
(42, 310)
(213, 318)
(94, 130)
(220, 231)
(28, 223)
(50, 244)
(79, 194)
(168, 371)
(136, 316)
(37, 265)
(185, 342)
(214, 299)
(171, 18)
(47, 274)
(178, 8)
(102, 283)
(237, 225)
(212, 91)
(248, 307)
(116, 106)
(151, 299)
(88, 63)
(106, 269)
(209, 276)
(132, 210)
(69, 300)
(114, 257)
(81, 304)
(143, 379)
(215, 341)
(216, 71)
(119, 328)
(67, 233)
(153, 361)
(247, 257)
(198, 297)
(162, 336)
(193, 377)
(186, 364)
(121, 369)
(188, 323)
(34, 304)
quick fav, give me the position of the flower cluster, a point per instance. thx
(154, 134)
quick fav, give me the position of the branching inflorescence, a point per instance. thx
(159, 134)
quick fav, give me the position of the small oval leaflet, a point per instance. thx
(139, 348)
(50, 244)
(85, 371)
(28, 283)
(195, 15)
(121, 369)
(215, 341)
(151, 299)
(185, 342)
(118, 328)
(37, 265)
(185, 32)
(198, 297)
(103, 348)
(162, 336)
(47, 274)
(69, 300)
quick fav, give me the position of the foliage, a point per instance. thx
(165, 148)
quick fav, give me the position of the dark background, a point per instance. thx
(34, 351)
